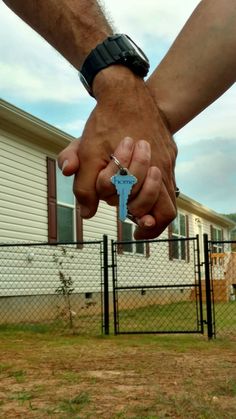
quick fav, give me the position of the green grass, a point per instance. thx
(75, 404)
(181, 316)
(173, 317)
(22, 396)
(19, 375)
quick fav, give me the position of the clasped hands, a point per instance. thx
(126, 122)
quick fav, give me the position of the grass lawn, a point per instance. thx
(139, 376)
(181, 316)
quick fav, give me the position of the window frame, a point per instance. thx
(178, 235)
(146, 244)
(53, 202)
(217, 247)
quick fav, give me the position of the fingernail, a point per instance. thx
(148, 223)
(143, 145)
(84, 211)
(128, 143)
(65, 163)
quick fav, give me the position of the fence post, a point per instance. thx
(106, 285)
(200, 285)
(208, 288)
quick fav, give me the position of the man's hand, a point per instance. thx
(125, 108)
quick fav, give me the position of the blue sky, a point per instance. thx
(34, 77)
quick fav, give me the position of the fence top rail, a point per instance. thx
(49, 244)
(145, 287)
(183, 239)
(221, 241)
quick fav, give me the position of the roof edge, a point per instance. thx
(42, 129)
(203, 210)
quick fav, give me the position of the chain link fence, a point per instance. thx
(223, 283)
(157, 290)
(51, 287)
(157, 286)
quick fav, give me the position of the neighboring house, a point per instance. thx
(37, 204)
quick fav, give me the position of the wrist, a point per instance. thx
(113, 79)
(153, 93)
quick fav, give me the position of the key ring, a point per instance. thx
(116, 161)
(123, 170)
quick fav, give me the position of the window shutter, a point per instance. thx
(222, 238)
(211, 231)
(52, 200)
(78, 226)
(147, 247)
(170, 243)
(187, 242)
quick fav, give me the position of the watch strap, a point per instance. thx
(115, 49)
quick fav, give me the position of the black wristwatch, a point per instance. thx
(116, 49)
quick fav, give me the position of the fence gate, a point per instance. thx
(157, 286)
(220, 282)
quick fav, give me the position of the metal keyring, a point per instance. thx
(116, 161)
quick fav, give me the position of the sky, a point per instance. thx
(37, 79)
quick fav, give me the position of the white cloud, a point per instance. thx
(206, 171)
(34, 86)
(31, 68)
(74, 127)
(161, 18)
(219, 119)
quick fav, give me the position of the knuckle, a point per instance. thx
(142, 159)
(171, 214)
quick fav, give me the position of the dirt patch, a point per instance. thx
(121, 377)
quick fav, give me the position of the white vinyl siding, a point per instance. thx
(23, 190)
(104, 222)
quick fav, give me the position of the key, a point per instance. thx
(123, 182)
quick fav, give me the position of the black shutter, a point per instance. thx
(170, 243)
(78, 226)
(147, 248)
(187, 241)
(52, 200)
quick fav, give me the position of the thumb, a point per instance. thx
(68, 159)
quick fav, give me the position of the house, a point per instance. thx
(37, 205)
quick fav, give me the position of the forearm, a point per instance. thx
(73, 27)
(200, 66)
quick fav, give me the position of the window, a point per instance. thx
(64, 221)
(65, 208)
(179, 229)
(127, 235)
(127, 232)
(217, 235)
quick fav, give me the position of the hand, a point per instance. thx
(126, 107)
(127, 153)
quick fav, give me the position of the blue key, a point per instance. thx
(123, 182)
